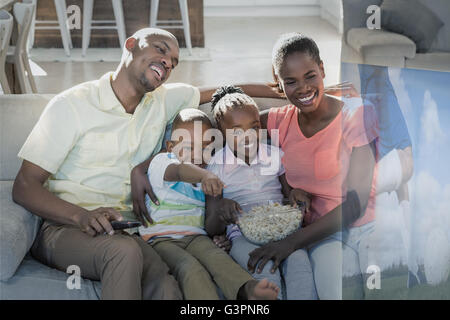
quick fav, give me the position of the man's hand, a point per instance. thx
(344, 89)
(222, 242)
(300, 195)
(211, 184)
(98, 221)
(275, 251)
(140, 186)
(228, 211)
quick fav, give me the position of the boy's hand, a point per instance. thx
(300, 195)
(229, 210)
(211, 184)
(140, 186)
(222, 242)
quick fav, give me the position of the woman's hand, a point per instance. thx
(300, 195)
(211, 184)
(222, 242)
(344, 89)
(140, 186)
(275, 251)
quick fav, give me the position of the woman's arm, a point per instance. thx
(359, 186)
(252, 89)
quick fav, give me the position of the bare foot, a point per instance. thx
(261, 290)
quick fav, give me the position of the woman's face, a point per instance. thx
(241, 129)
(302, 81)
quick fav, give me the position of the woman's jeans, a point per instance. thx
(345, 252)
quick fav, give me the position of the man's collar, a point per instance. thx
(108, 99)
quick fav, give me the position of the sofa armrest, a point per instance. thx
(18, 229)
(380, 43)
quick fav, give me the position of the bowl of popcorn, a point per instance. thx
(268, 221)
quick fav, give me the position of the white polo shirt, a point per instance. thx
(90, 144)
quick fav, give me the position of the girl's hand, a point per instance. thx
(222, 242)
(300, 195)
(275, 251)
(211, 184)
(140, 186)
(229, 210)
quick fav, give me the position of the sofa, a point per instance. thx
(21, 276)
(386, 48)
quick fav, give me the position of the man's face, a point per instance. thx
(153, 60)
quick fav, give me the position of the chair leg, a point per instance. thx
(3, 78)
(62, 20)
(185, 18)
(20, 72)
(67, 26)
(120, 21)
(30, 41)
(26, 64)
(88, 7)
(154, 5)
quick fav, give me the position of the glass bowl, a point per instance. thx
(266, 221)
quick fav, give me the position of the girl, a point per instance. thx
(329, 157)
(252, 172)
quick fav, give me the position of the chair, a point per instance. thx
(23, 13)
(118, 23)
(173, 24)
(60, 6)
(6, 26)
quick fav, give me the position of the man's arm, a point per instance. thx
(28, 191)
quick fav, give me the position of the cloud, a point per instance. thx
(431, 127)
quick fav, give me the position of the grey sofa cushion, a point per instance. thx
(18, 115)
(412, 19)
(36, 281)
(380, 43)
(18, 229)
(440, 8)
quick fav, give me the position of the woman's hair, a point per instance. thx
(289, 43)
(228, 97)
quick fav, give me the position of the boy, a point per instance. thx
(178, 234)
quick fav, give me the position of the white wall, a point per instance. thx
(332, 11)
(329, 10)
(261, 8)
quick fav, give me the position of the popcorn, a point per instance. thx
(270, 222)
